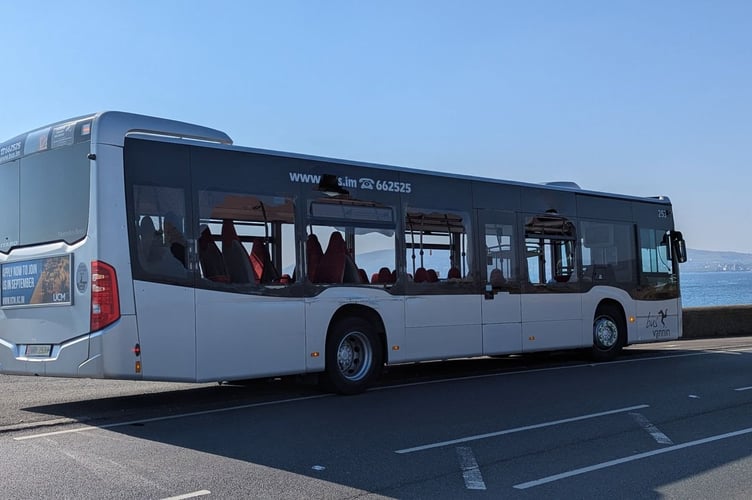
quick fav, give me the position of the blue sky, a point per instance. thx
(637, 97)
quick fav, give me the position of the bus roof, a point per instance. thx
(107, 127)
(111, 127)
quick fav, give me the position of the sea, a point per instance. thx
(699, 289)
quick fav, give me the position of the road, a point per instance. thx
(663, 421)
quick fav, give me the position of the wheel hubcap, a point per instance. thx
(354, 356)
(606, 332)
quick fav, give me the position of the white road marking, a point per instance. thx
(518, 429)
(168, 417)
(631, 458)
(195, 494)
(470, 470)
(37, 423)
(694, 396)
(743, 388)
(659, 437)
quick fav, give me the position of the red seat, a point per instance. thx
(421, 275)
(331, 269)
(433, 276)
(237, 261)
(210, 257)
(385, 275)
(363, 275)
(454, 273)
(263, 270)
(314, 253)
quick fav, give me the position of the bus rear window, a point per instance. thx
(45, 197)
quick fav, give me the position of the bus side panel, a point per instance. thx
(113, 350)
(111, 230)
(551, 321)
(248, 336)
(167, 331)
(443, 326)
(502, 324)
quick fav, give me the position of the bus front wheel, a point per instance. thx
(609, 332)
(353, 356)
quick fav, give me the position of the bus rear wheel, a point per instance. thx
(353, 356)
(609, 332)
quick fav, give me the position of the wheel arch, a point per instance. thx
(609, 318)
(367, 313)
(608, 302)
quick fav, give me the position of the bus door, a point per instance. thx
(551, 298)
(159, 211)
(500, 308)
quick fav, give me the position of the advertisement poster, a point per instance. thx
(37, 282)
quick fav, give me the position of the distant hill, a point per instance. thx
(707, 260)
(697, 261)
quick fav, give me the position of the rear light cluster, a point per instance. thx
(105, 302)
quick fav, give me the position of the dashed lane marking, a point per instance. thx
(470, 470)
(651, 429)
(200, 493)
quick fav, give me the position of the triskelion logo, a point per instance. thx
(658, 331)
(663, 315)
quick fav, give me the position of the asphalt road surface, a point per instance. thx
(663, 421)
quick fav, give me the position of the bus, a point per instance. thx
(135, 247)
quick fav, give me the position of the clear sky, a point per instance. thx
(639, 97)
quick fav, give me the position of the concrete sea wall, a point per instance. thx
(720, 321)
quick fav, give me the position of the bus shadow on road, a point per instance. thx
(265, 428)
(229, 394)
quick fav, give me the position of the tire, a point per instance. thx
(354, 358)
(609, 332)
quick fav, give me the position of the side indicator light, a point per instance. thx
(315, 354)
(395, 348)
(138, 366)
(532, 338)
(632, 319)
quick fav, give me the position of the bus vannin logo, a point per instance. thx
(659, 330)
